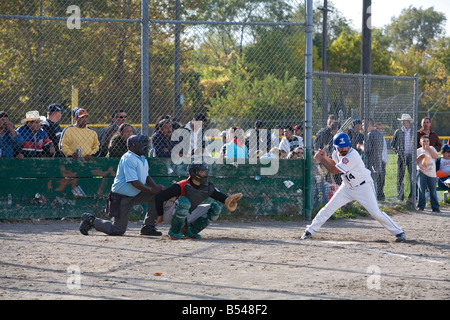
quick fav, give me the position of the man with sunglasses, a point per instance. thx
(105, 135)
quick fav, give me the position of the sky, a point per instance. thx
(384, 10)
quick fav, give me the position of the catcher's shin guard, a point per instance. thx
(202, 222)
(179, 218)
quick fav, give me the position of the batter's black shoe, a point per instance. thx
(150, 231)
(87, 223)
(400, 237)
(306, 235)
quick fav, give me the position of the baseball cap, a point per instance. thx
(200, 117)
(81, 113)
(259, 124)
(445, 148)
(54, 108)
(298, 127)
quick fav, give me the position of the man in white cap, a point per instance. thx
(403, 144)
(36, 142)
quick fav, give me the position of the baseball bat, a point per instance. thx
(344, 126)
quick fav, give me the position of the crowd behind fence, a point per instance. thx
(77, 72)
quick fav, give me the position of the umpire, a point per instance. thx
(132, 185)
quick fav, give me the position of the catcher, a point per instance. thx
(182, 206)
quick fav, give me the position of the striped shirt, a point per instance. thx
(34, 144)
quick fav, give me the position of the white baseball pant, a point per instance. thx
(365, 194)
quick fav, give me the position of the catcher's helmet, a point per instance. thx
(193, 170)
(140, 141)
(341, 140)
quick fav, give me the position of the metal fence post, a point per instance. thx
(414, 127)
(177, 63)
(308, 108)
(144, 67)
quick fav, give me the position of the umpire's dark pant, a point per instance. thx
(118, 226)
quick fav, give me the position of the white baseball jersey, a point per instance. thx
(352, 167)
(357, 185)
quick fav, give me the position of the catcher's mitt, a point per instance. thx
(231, 201)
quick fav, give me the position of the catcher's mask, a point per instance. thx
(139, 141)
(193, 170)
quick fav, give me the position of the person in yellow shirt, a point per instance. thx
(79, 136)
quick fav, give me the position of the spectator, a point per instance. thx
(263, 142)
(298, 131)
(321, 186)
(384, 161)
(196, 129)
(51, 126)
(297, 153)
(79, 136)
(443, 168)
(118, 145)
(426, 174)
(324, 137)
(161, 143)
(432, 135)
(236, 148)
(223, 136)
(104, 136)
(201, 155)
(356, 137)
(324, 141)
(289, 141)
(36, 142)
(277, 132)
(74, 114)
(274, 153)
(10, 140)
(373, 153)
(402, 144)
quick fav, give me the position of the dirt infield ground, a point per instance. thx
(346, 259)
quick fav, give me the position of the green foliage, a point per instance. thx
(345, 56)
(415, 27)
(234, 70)
(245, 97)
(278, 51)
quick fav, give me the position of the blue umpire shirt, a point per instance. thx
(131, 168)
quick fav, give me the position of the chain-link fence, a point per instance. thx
(383, 130)
(234, 63)
(237, 64)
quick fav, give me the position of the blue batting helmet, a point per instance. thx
(341, 140)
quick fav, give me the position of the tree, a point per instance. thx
(277, 51)
(345, 55)
(415, 27)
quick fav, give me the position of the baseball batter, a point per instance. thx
(357, 184)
